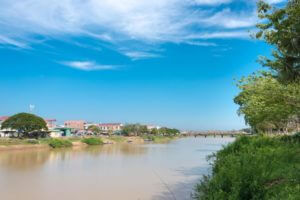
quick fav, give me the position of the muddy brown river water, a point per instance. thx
(110, 172)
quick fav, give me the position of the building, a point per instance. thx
(113, 127)
(4, 133)
(88, 124)
(150, 127)
(75, 124)
(2, 119)
(51, 123)
(60, 132)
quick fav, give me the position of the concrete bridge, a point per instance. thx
(216, 133)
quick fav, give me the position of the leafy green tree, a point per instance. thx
(280, 27)
(26, 125)
(95, 129)
(154, 131)
(134, 129)
(270, 100)
(168, 131)
(266, 103)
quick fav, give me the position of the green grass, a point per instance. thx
(59, 143)
(15, 141)
(117, 138)
(92, 141)
(256, 167)
(158, 138)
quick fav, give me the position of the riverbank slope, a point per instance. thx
(21, 144)
(258, 167)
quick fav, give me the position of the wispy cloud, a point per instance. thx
(204, 44)
(88, 65)
(211, 2)
(275, 1)
(218, 35)
(137, 55)
(9, 41)
(116, 21)
(228, 19)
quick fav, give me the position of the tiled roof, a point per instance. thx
(50, 120)
(3, 118)
(110, 124)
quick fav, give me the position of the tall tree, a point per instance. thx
(280, 27)
(95, 129)
(26, 125)
(266, 103)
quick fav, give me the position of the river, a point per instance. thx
(110, 172)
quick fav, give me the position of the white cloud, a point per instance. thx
(88, 65)
(228, 19)
(218, 35)
(9, 41)
(116, 21)
(274, 1)
(136, 55)
(204, 44)
(212, 2)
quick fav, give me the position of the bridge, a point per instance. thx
(215, 133)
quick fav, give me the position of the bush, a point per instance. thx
(92, 141)
(292, 139)
(117, 138)
(254, 168)
(32, 141)
(59, 143)
(158, 138)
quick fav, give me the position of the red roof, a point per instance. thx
(50, 120)
(110, 124)
(3, 118)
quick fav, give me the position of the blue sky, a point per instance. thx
(165, 62)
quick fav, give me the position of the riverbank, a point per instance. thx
(258, 167)
(21, 144)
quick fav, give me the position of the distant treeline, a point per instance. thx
(139, 130)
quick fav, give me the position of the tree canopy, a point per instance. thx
(168, 131)
(280, 28)
(267, 104)
(134, 129)
(26, 125)
(95, 129)
(138, 129)
(270, 100)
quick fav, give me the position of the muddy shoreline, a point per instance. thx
(107, 141)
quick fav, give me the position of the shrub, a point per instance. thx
(92, 141)
(32, 141)
(59, 143)
(254, 168)
(117, 138)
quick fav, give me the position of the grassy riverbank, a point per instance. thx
(256, 167)
(14, 143)
(159, 139)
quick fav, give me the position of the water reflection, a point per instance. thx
(32, 159)
(127, 171)
(23, 160)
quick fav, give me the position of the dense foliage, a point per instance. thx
(92, 141)
(59, 143)
(168, 131)
(26, 125)
(254, 168)
(139, 130)
(270, 101)
(280, 28)
(134, 129)
(269, 105)
(95, 129)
